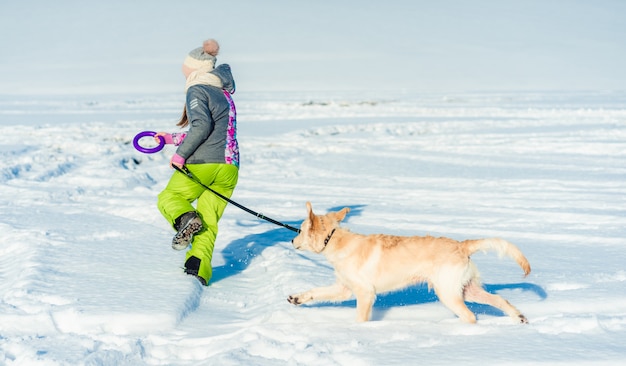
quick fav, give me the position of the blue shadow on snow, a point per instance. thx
(240, 252)
(420, 294)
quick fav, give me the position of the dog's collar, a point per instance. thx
(328, 238)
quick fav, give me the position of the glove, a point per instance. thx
(177, 160)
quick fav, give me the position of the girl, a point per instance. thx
(209, 150)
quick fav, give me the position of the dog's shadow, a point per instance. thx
(238, 253)
(421, 294)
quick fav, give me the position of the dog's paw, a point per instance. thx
(522, 319)
(294, 299)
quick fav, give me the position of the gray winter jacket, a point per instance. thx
(212, 135)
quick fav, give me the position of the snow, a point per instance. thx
(459, 119)
(88, 275)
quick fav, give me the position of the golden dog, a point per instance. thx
(369, 264)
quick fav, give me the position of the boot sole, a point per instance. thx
(182, 239)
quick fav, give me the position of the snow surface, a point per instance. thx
(87, 275)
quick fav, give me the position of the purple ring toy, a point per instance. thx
(146, 150)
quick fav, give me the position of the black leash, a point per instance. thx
(189, 175)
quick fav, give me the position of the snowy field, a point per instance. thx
(87, 275)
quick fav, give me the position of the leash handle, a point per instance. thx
(189, 175)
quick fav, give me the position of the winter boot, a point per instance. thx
(187, 225)
(192, 265)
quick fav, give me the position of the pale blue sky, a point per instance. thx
(407, 45)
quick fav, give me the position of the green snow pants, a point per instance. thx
(181, 192)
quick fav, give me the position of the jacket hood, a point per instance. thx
(223, 72)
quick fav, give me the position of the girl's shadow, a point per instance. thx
(240, 252)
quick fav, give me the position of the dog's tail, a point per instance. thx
(502, 247)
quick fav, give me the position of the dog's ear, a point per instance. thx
(310, 214)
(339, 216)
